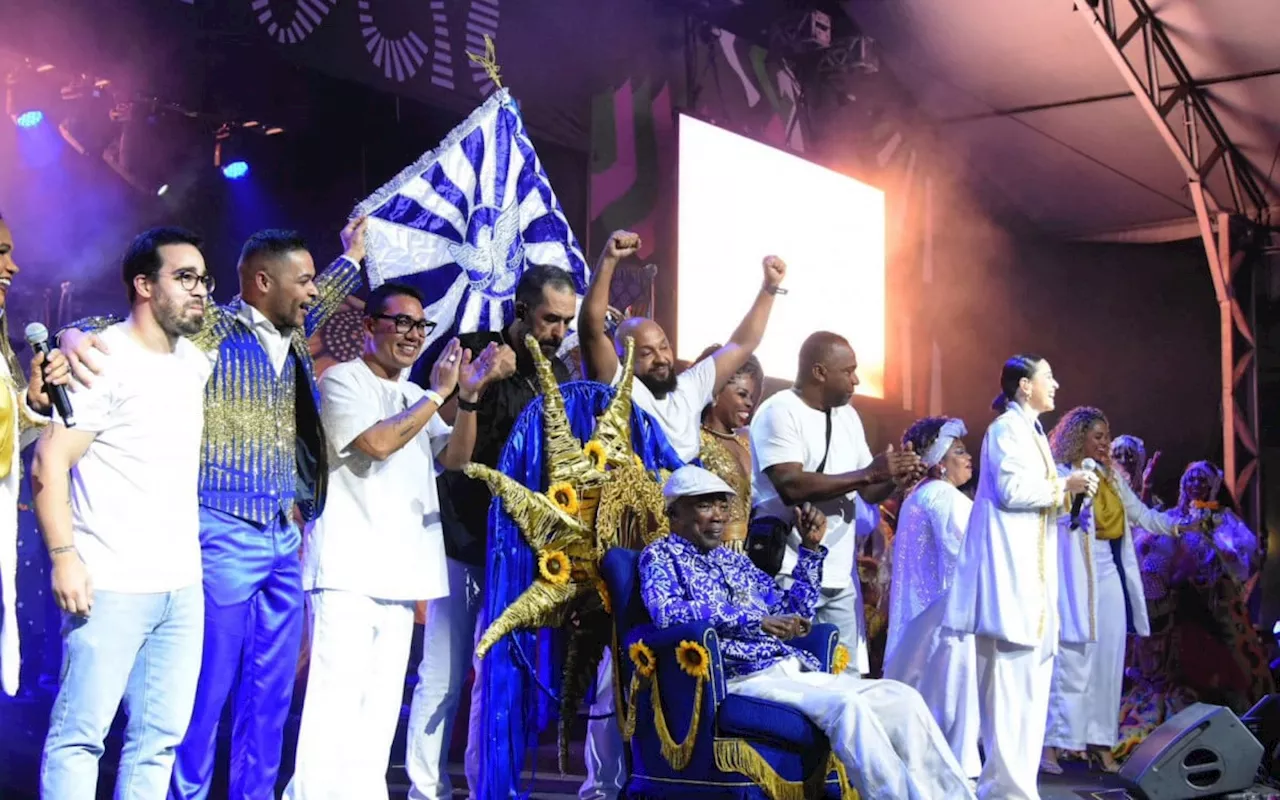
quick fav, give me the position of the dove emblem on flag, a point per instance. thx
(463, 223)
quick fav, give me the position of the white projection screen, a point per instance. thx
(740, 201)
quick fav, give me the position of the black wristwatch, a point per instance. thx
(464, 405)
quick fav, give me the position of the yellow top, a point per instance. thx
(1108, 512)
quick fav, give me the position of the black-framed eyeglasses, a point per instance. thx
(188, 280)
(405, 323)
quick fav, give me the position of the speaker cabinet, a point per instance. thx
(1202, 751)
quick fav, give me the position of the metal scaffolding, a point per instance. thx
(1230, 226)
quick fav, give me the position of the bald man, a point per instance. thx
(676, 401)
(808, 446)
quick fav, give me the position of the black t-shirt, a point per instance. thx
(464, 502)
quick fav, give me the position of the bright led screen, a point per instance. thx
(740, 201)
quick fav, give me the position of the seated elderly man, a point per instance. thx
(880, 729)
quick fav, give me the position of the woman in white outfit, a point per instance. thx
(1005, 588)
(1100, 596)
(938, 663)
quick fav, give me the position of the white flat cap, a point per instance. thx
(691, 481)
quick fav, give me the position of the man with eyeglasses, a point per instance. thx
(116, 499)
(378, 547)
(263, 471)
(546, 303)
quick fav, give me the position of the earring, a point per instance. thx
(942, 472)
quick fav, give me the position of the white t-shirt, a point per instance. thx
(134, 494)
(787, 430)
(380, 531)
(680, 412)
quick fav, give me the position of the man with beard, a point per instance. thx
(123, 536)
(263, 467)
(545, 304)
(24, 410)
(676, 402)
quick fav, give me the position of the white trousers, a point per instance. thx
(1013, 694)
(605, 751)
(355, 685)
(942, 665)
(881, 730)
(1084, 700)
(448, 650)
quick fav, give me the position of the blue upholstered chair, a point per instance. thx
(743, 748)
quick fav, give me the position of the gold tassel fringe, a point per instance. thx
(737, 755)
(677, 755)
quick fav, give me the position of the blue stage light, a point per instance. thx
(29, 119)
(235, 170)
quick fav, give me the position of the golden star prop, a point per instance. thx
(599, 495)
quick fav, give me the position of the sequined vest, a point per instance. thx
(264, 447)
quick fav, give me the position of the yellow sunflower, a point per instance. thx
(694, 659)
(565, 497)
(603, 590)
(594, 451)
(643, 658)
(840, 662)
(554, 567)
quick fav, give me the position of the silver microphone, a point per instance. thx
(1091, 466)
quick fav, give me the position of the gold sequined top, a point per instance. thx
(718, 458)
(264, 447)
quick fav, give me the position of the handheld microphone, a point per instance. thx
(38, 338)
(1092, 466)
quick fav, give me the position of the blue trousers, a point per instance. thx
(253, 606)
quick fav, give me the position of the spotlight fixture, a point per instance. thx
(235, 170)
(23, 99)
(234, 142)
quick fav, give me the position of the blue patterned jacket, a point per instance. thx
(679, 583)
(264, 447)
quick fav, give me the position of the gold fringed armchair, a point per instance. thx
(687, 736)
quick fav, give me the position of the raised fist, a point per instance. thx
(775, 269)
(621, 245)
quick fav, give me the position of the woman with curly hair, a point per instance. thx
(938, 663)
(1100, 595)
(726, 450)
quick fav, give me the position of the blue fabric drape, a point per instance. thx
(514, 710)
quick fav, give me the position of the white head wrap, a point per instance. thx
(952, 429)
(691, 481)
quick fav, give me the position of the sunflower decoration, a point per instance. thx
(694, 659)
(594, 451)
(599, 494)
(565, 498)
(840, 661)
(643, 658)
(554, 567)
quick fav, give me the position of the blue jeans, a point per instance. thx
(144, 649)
